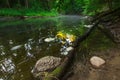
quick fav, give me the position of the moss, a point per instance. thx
(54, 74)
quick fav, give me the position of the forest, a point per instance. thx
(55, 7)
(59, 39)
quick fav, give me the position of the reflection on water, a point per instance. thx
(7, 65)
(7, 68)
(22, 44)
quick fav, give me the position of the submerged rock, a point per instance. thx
(46, 64)
(49, 39)
(16, 47)
(66, 51)
(97, 61)
(69, 48)
(88, 26)
(10, 42)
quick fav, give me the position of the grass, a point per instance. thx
(26, 12)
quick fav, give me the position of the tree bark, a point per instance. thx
(26, 3)
(109, 4)
(8, 3)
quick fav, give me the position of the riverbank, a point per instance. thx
(109, 71)
(107, 50)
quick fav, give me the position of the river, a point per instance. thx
(22, 42)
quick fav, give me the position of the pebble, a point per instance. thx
(49, 39)
(64, 53)
(69, 48)
(97, 61)
(88, 26)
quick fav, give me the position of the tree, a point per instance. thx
(8, 3)
(26, 3)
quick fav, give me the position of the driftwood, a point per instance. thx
(60, 71)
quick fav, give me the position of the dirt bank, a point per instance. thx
(109, 71)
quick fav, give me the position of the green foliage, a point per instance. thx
(95, 6)
(8, 12)
(34, 7)
(26, 12)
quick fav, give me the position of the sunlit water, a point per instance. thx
(22, 43)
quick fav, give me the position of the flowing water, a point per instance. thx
(22, 43)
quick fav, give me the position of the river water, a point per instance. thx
(22, 43)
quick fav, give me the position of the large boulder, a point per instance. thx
(46, 64)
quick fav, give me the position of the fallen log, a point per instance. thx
(60, 71)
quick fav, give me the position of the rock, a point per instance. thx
(10, 42)
(46, 64)
(69, 48)
(88, 26)
(49, 39)
(16, 47)
(66, 51)
(97, 61)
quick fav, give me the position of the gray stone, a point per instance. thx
(16, 47)
(97, 61)
(49, 39)
(46, 64)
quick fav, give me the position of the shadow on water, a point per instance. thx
(22, 43)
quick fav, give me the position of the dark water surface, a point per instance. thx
(22, 43)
